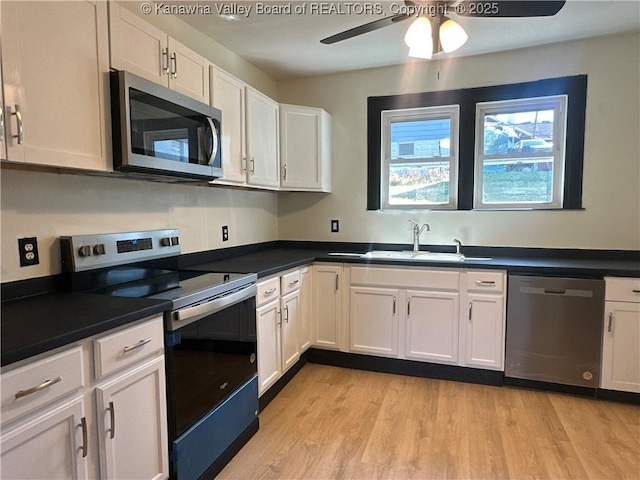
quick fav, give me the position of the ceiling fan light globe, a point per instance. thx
(452, 36)
(418, 33)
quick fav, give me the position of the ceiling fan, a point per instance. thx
(433, 31)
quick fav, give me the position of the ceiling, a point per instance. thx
(288, 44)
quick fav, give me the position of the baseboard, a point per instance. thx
(405, 367)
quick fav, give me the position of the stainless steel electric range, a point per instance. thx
(210, 339)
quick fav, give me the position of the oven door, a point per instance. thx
(210, 352)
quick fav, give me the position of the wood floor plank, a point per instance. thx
(334, 423)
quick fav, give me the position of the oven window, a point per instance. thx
(209, 360)
(168, 144)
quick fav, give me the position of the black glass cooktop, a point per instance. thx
(170, 285)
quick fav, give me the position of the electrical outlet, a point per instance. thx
(28, 251)
(225, 233)
(335, 226)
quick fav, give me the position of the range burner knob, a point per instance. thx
(99, 249)
(165, 242)
(85, 251)
(175, 240)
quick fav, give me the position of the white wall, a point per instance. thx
(49, 205)
(611, 199)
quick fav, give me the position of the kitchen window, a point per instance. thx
(516, 146)
(519, 157)
(419, 157)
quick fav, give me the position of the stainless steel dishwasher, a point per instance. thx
(554, 329)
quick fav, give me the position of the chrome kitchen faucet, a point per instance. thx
(417, 230)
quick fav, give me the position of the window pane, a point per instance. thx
(529, 132)
(421, 139)
(518, 181)
(419, 184)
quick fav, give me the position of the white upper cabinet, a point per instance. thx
(144, 50)
(262, 139)
(55, 64)
(305, 155)
(227, 95)
(250, 128)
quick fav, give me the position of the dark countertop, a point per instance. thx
(40, 323)
(272, 261)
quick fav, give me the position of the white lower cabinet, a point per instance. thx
(50, 445)
(281, 302)
(431, 327)
(621, 335)
(132, 430)
(373, 314)
(54, 428)
(306, 308)
(483, 321)
(327, 304)
(416, 314)
(484, 327)
(269, 353)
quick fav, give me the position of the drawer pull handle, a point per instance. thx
(37, 388)
(271, 291)
(85, 445)
(635, 291)
(141, 343)
(485, 283)
(112, 412)
(294, 282)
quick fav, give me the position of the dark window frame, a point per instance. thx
(575, 87)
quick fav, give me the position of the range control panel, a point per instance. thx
(88, 252)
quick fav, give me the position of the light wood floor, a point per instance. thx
(330, 422)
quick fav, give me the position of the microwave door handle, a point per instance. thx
(214, 141)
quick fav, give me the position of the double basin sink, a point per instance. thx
(413, 256)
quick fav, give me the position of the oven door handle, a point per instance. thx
(183, 317)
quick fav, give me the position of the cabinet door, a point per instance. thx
(55, 59)
(621, 347)
(484, 331)
(306, 308)
(269, 354)
(431, 327)
(227, 95)
(290, 324)
(132, 424)
(137, 46)
(262, 139)
(188, 72)
(373, 317)
(327, 305)
(48, 446)
(301, 144)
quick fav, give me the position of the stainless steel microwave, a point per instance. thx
(163, 133)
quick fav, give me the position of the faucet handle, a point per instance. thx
(414, 222)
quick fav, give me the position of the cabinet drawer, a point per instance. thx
(125, 347)
(406, 278)
(40, 382)
(267, 291)
(485, 282)
(290, 282)
(622, 289)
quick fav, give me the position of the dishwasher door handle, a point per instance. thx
(559, 291)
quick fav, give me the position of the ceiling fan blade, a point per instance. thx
(508, 8)
(366, 28)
